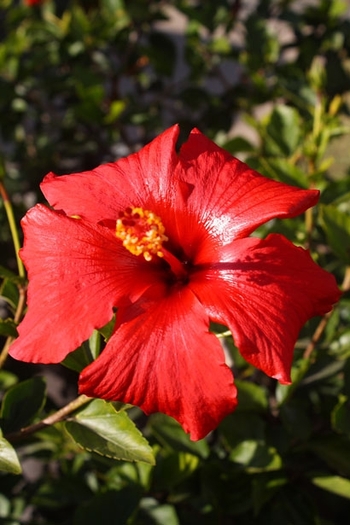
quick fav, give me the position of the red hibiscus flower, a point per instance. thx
(33, 2)
(164, 239)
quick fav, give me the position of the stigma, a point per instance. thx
(141, 232)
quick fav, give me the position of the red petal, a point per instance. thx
(135, 180)
(165, 360)
(265, 291)
(229, 197)
(77, 275)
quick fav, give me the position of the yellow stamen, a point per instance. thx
(141, 232)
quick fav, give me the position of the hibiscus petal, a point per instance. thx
(77, 275)
(166, 360)
(231, 199)
(137, 180)
(265, 291)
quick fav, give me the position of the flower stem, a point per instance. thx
(13, 227)
(60, 415)
(21, 270)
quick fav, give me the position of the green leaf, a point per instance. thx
(22, 403)
(107, 330)
(7, 274)
(100, 428)
(337, 227)
(9, 292)
(170, 434)
(109, 508)
(321, 371)
(156, 513)
(255, 456)
(242, 426)
(8, 328)
(299, 369)
(283, 132)
(7, 379)
(85, 354)
(116, 108)
(296, 419)
(265, 486)
(335, 484)
(124, 473)
(341, 417)
(8, 458)
(333, 450)
(162, 53)
(79, 359)
(238, 145)
(251, 397)
(221, 45)
(282, 170)
(172, 468)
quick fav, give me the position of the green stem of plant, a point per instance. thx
(19, 312)
(309, 224)
(13, 228)
(317, 122)
(21, 270)
(60, 415)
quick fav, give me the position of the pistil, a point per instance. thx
(142, 233)
(176, 266)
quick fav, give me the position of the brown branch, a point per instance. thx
(323, 323)
(60, 415)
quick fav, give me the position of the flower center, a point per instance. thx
(141, 232)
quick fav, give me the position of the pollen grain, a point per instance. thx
(141, 232)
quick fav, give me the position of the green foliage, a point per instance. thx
(8, 458)
(84, 82)
(21, 403)
(101, 429)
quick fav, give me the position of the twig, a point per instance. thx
(323, 323)
(60, 415)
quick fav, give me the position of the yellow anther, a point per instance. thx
(141, 232)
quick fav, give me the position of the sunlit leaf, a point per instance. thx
(157, 513)
(8, 458)
(7, 379)
(172, 468)
(255, 456)
(100, 428)
(283, 131)
(335, 484)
